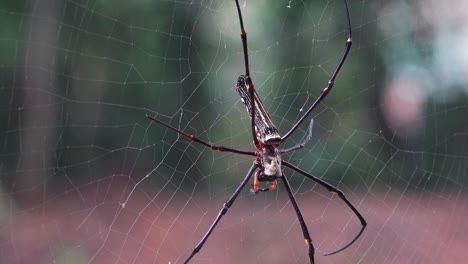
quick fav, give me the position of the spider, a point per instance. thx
(267, 166)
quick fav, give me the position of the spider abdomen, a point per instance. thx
(265, 130)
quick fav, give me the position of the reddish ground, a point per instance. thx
(90, 226)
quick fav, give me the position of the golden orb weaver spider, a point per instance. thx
(267, 166)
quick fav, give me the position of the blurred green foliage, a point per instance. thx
(113, 62)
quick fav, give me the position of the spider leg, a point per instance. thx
(244, 39)
(250, 89)
(332, 189)
(331, 81)
(301, 145)
(248, 80)
(204, 143)
(223, 211)
(305, 232)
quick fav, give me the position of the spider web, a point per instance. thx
(87, 178)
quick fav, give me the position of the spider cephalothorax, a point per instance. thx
(271, 161)
(269, 165)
